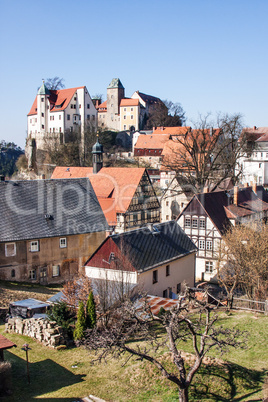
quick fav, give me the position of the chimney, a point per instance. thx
(254, 187)
(211, 131)
(236, 190)
(245, 185)
(254, 128)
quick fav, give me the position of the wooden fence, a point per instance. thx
(252, 305)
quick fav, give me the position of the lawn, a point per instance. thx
(69, 374)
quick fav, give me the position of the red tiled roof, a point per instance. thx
(5, 343)
(118, 184)
(171, 130)
(129, 102)
(103, 105)
(58, 99)
(154, 141)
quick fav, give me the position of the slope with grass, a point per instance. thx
(68, 374)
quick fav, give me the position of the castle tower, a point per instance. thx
(42, 113)
(97, 152)
(115, 92)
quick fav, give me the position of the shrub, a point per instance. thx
(63, 315)
(91, 311)
(80, 325)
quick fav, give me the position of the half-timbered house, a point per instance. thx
(209, 215)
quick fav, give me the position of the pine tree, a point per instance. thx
(80, 325)
(91, 311)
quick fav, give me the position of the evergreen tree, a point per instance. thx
(80, 325)
(90, 311)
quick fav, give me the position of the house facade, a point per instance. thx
(159, 259)
(255, 160)
(48, 230)
(209, 215)
(57, 113)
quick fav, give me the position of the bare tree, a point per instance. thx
(190, 320)
(54, 83)
(243, 261)
(205, 156)
(167, 114)
(76, 290)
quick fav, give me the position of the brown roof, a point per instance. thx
(129, 102)
(5, 343)
(115, 184)
(171, 130)
(58, 99)
(154, 141)
(103, 105)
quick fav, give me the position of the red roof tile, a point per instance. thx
(129, 102)
(5, 343)
(171, 130)
(58, 99)
(118, 184)
(154, 141)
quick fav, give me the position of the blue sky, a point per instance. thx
(209, 55)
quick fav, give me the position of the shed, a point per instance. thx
(28, 308)
(5, 344)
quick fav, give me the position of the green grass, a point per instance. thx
(54, 379)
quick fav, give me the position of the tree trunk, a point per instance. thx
(183, 394)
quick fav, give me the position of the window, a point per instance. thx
(42, 99)
(34, 246)
(187, 223)
(55, 270)
(72, 106)
(125, 117)
(112, 105)
(125, 109)
(10, 249)
(88, 106)
(125, 127)
(167, 217)
(31, 121)
(63, 242)
(155, 276)
(202, 223)
(131, 109)
(259, 165)
(209, 245)
(165, 293)
(32, 274)
(68, 117)
(60, 117)
(209, 266)
(75, 98)
(93, 117)
(42, 114)
(132, 117)
(195, 223)
(261, 155)
(13, 273)
(79, 106)
(167, 270)
(167, 203)
(202, 244)
(178, 287)
(43, 126)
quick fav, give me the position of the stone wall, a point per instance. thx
(43, 330)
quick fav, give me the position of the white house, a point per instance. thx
(159, 259)
(255, 161)
(55, 113)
